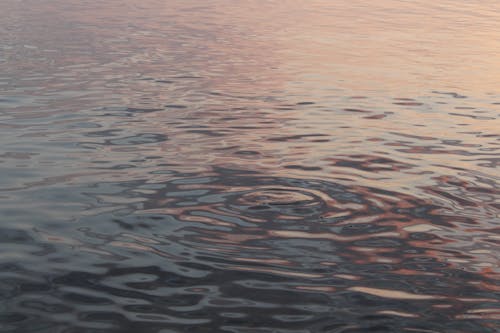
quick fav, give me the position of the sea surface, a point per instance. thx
(249, 166)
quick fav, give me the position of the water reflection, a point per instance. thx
(178, 166)
(235, 248)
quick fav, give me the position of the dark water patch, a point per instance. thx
(14, 236)
(143, 138)
(246, 127)
(357, 110)
(377, 116)
(302, 167)
(118, 166)
(142, 110)
(188, 77)
(247, 152)
(452, 94)
(227, 148)
(472, 116)
(295, 137)
(409, 103)
(192, 126)
(105, 133)
(175, 106)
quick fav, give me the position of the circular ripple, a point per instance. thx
(278, 197)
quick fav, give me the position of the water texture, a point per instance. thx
(249, 166)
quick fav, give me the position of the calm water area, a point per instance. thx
(249, 166)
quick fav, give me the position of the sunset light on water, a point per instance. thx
(249, 166)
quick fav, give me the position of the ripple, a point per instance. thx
(143, 138)
(277, 196)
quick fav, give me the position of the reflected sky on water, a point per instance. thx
(252, 166)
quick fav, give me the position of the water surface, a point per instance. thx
(251, 166)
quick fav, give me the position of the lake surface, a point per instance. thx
(249, 166)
